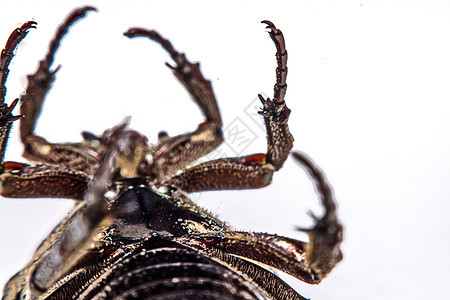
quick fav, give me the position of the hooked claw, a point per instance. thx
(271, 26)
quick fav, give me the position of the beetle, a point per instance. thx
(134, 233)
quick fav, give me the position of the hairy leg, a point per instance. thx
(78, 156)
(252, 171)
(275, 112)
(19, 180)
(6, 117)
(310, 262)
(42, 181)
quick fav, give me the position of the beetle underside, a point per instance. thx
(134, 233)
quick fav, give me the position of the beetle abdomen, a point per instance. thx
(155, 268)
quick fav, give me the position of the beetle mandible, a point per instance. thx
(134, 233)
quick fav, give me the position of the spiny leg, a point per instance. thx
(42, 181)
(40, 82)
(247, 172)
(275, 112)
(310, 262)
(76, 156)
(8, 52)
(6, 117)
(174, 153)
(323, 251)
(19, 180)
(252, 171)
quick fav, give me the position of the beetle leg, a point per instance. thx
(42, 181)
(309, 262)
(275, 112)
(36, 148)
(19, 180)
(6, 117)
(240, 249)
(323, 251)
(174, 153)
(253, 171)
(72, 243)
(8, 52)
(246, 172)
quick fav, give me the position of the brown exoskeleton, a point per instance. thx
(134, 233)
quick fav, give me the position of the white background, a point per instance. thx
(369, 93)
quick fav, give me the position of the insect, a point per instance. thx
(134, 233)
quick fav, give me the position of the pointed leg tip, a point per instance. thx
(273, 29)
(80, 12)
(15, 118)
(170, 66)
(268, 23)
(91, 8)
(85, 9)
(30, 24)
(27, 26)
(261, 98)
(131, 32)
(125, 122)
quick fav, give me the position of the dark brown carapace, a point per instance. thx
(134, 233)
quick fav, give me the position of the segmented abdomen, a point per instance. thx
(154, 268)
